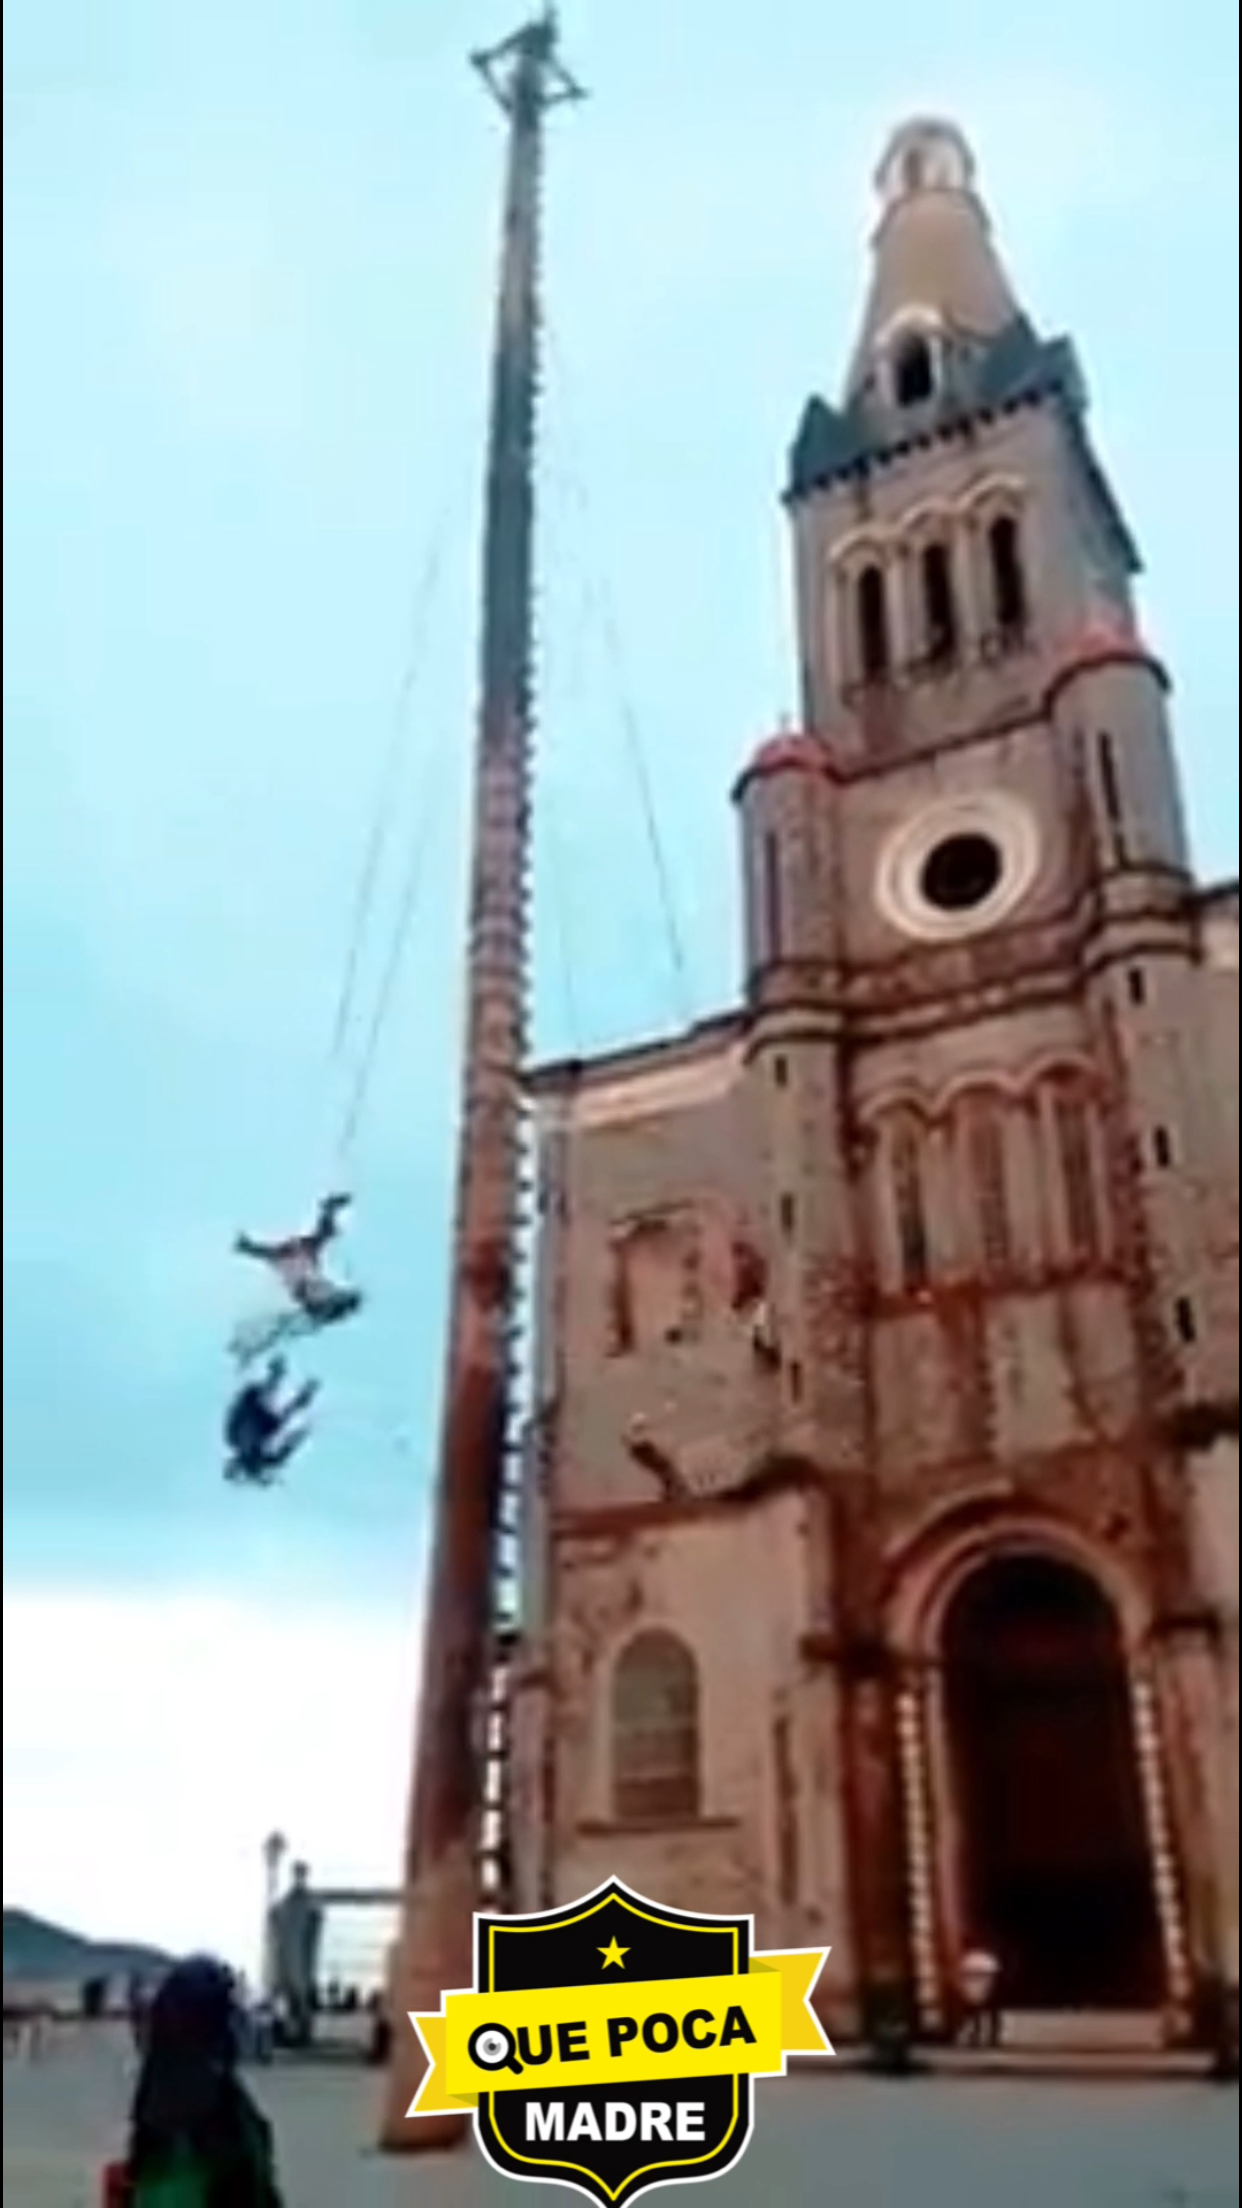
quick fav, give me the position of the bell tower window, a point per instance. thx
(914, 372)
(939, 608)
(1009, 601)
(913, 170)
(874, 650)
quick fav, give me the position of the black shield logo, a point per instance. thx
(629, 2138)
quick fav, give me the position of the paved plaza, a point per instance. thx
(863, 2143)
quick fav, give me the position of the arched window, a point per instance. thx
(1077, 1152)
(914, 371)
(655, 1731)
(986, 1154)
(1008, 576)
(912, 1248)
(939, 608)
(913, 170)
(873, 642)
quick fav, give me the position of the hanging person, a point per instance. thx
(298, 1262)
(262, 1434)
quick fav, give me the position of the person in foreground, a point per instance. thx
(196, 2138)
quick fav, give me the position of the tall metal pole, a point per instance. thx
(441, 1885)
(275, 1849)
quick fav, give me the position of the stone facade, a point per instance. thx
(922, 1263)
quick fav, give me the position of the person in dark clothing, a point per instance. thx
(196, 2138)
(261, 1433)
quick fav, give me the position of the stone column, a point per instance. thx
(919, 1850)
(1170, 1909)
(877, 1842)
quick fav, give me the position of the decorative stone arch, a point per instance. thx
(1063, 1069)
(869, 541)
(928, 1569)
(1002, 1082)
(953, 1539)
(999, 489)
(902, 1093)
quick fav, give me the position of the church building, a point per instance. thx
(881, 1532)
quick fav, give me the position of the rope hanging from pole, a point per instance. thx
(382, 813)
(599, 599)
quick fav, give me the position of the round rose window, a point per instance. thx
(958, 868)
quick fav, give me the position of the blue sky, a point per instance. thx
(248, 259)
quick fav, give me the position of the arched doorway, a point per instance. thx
(1054, 1852)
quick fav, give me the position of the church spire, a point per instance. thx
(935, 268)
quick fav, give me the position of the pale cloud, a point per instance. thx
(151, 1741)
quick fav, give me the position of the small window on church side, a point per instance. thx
(1162, 1147)
(773, 902)
(1008, 576)
(1187, 1325)
(1082, 1210)
(655, 1731)
(620, 1304)
(914, 372)
(1110, 786)
(912, 1246)
(939, 607)
(874, 654)
(1136, 983)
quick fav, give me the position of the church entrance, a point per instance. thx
(1056, 1866)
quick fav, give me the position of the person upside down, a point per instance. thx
(298, 1263)
(261, 1432)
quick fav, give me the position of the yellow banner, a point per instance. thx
(599, 2035)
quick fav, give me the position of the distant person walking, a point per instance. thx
(978, 1984)
(196, 2138)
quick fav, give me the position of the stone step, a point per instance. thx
(1084, 2030)
(1065, 2065)
(1084, 2063)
